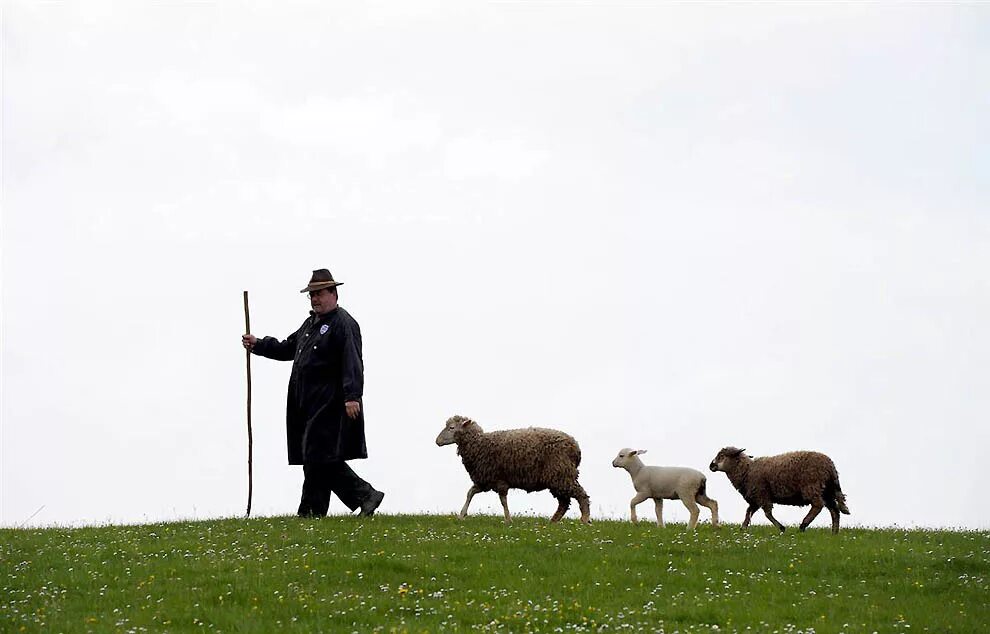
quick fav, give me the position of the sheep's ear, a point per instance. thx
(640, 451)
(738, 452)
(465, 422)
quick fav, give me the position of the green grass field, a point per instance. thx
(437, 573)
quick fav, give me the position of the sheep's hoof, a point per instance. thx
(783, 528)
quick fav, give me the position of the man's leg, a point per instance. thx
(315, 499)
(352, 490)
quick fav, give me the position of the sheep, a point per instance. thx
(532, 459)
(665, 483)
(797, 478)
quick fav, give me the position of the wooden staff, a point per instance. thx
(247, 329)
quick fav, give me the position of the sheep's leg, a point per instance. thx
(467, 502)
(692, 508)
(584, 503)
(563, 503)
(712, 505)
(749, 514)
(658, 502)
(834, 510)
(816, 508)
(503, 497)
(768, 511)
(639, 497)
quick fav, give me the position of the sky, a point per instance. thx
(659, 226)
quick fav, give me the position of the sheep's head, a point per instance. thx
(725, 457)
(627, 457)
(456, 425)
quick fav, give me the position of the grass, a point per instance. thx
(437, 573)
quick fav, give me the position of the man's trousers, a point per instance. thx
(322, 480)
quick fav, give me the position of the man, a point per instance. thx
(324, 415)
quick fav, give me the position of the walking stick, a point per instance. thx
(247, 329)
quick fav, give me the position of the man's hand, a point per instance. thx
(248, 341)
(353, 408)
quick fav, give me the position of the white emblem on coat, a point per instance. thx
(324, 328)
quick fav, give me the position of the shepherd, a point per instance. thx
(324, 408)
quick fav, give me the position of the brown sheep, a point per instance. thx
(797, 478)
(532, 459)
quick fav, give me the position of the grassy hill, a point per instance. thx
(437, 573)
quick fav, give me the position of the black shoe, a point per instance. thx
(368, 506)
(309, 515)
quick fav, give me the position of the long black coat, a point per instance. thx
(327, 371)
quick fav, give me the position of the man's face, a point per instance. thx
(323, 301)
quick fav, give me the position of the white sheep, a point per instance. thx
(665, 483)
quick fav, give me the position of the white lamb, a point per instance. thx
(666, 483)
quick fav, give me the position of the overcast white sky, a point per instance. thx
(666, 227)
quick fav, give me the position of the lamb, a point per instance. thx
(797, 478)
(532, 459)
(665, 483)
